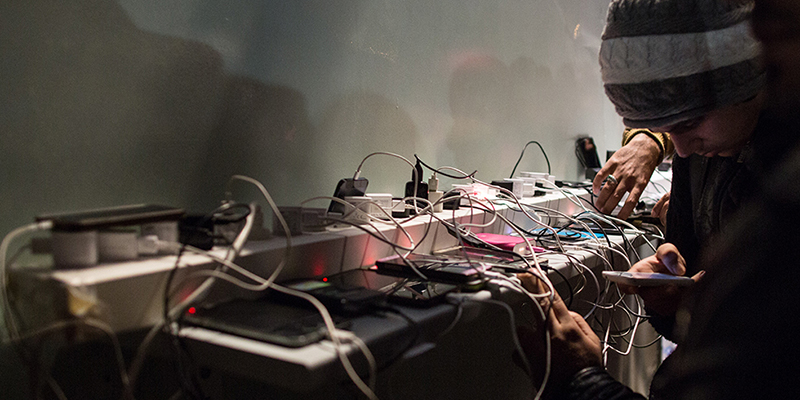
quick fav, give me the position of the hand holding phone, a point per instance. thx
(665, 268)
(647, 278)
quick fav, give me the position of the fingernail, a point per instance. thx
(670, 260)
(700, 274)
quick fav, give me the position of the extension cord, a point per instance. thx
(537, 179)
(382, 200)
(360, 209)
(166, 231)
(117, 245)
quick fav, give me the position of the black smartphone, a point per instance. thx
(418, 293)
(437, 268)
(358, 291)
(397, 290)
(134, 214)
(264, 320)
(338, 296)
(587, 152)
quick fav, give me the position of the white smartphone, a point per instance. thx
(646, 278)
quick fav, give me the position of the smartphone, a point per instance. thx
(506, 242)
(264, 320)
(418, 293)
(337, 294)
(567, 234)
(437, 268)
(113, 216)
(399, 290)
(646, 279)
(503, 260)
(358, 291)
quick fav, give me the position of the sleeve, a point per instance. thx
(594, 383)
(741, 342)
(680, 229)
(661, 138)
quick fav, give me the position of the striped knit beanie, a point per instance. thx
(667, 61)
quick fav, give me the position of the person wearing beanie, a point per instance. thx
(694, 70)
(691, 69)
(667, 66)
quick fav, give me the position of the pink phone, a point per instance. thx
(505, 242)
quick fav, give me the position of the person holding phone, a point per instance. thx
(691, 69)
(737, 325)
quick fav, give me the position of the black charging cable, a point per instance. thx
(440, 172)
(549, 172)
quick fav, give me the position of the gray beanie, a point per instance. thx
(666, 61)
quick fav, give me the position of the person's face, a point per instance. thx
(776, 23)
(723, 132)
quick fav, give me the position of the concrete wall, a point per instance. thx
(105, 103)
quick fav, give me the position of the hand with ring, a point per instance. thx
(628, 170)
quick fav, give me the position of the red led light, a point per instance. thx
(324, 279)
(192, 310)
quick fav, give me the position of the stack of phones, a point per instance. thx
(437, 268)
(460, 266)
(265, 320)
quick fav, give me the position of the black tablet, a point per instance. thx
(134, 214)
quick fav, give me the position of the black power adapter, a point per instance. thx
(416, 180)
(347, 187)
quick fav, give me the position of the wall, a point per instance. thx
(105, 103)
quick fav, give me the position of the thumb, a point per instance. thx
(669, 255)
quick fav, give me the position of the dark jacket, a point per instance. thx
(739, 340)
(706, 192)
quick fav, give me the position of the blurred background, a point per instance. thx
(105, 103)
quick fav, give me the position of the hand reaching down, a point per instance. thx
(631, 166)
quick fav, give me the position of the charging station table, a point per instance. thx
(131, 294)
(428, 353)
(435, 352)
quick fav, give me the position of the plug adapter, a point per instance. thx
(196, 230)
(347, 187)
(434, 194)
